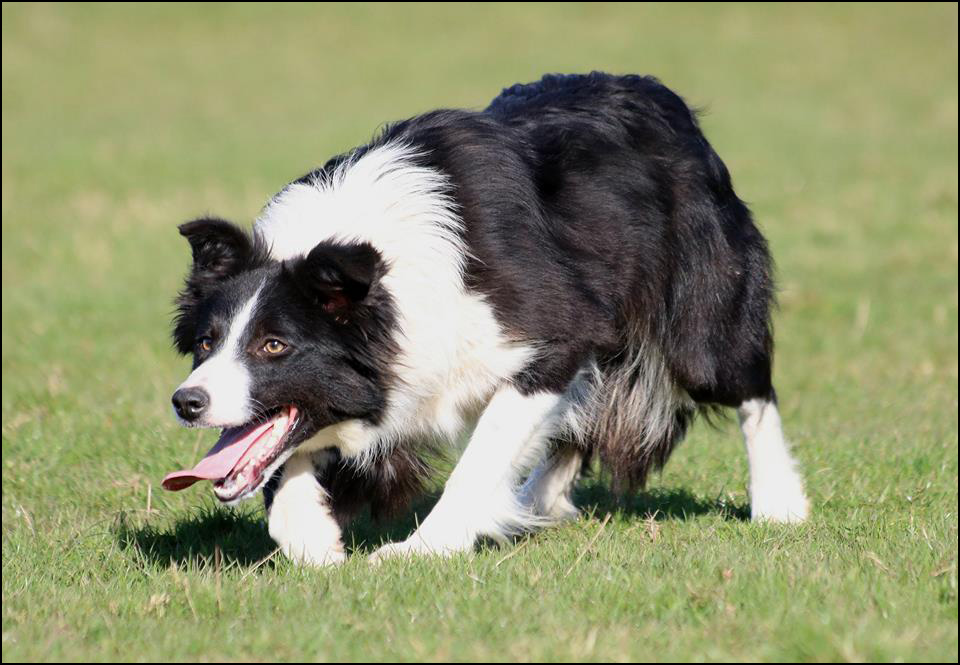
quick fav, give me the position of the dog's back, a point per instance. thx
(596, 213)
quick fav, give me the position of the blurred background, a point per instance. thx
(838, 123)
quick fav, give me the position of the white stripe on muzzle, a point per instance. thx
(224, 376)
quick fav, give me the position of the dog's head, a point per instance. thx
(280, 349)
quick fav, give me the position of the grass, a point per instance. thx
(839, 124)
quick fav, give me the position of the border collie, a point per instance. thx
(567, 274)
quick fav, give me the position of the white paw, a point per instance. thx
(412, 547)
(317, 557)
(390, 551)
(300, 520)
(537, 515)
(562, 510)
(309, 545)
(785, 503)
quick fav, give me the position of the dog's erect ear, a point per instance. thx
(219, 247)
(338, 277)
(220, 250)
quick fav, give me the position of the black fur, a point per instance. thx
(594, 210)
(592, 200)
(388, 486)
(594, 207)
(327, 306)
(220, 251)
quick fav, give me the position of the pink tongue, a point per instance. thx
(221, 459)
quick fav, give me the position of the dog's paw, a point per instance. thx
(411, 547)
(309, 549)
(785, 503)
(389, 551)
(317, 559)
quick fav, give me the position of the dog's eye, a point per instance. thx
(205, 344)
(274, 346)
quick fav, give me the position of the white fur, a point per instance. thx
(225, 378)
(452, 352)
(549, 489)
(480, 497)
(776, 489)
(300, 519)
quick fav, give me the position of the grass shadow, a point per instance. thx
(192, 542)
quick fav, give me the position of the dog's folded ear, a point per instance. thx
(338, 277)
(219, 247)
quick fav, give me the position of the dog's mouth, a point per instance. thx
(240, 458)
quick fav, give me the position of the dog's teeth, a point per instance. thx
(263, 453)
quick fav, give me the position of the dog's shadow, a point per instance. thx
(243, 539)
(593, 498)
(661, 504)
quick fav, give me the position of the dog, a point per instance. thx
(564, 276)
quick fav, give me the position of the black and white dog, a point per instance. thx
(563, 275)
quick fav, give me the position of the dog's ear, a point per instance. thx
(220, 250)
(338, 277)
(219, 247)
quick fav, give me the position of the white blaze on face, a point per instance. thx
(225, 378)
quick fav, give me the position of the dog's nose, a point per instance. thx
(190, 403)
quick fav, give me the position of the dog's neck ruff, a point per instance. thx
(450, 363)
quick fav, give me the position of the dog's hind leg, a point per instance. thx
(548, 491)
(301, 520)
(480, 497)
(776, 489)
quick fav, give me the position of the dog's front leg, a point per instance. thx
(480, 497)
(300, 518)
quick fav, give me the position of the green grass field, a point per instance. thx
(839, 124)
